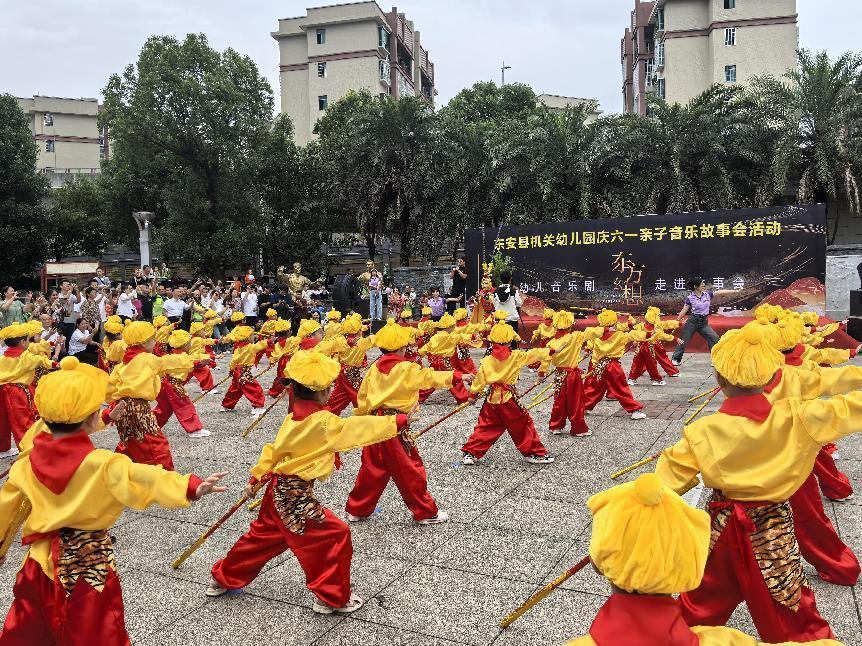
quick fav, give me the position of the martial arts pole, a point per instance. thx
(191, 549)
(701, 407)
(544, 592)
(454, 411)
(260, 417)
(543, 391)
(538, 383)
(636, 465)
(703, 394)
(18, 520)
(541, 401)
(266, 370)
(255, 504)
(206, 392)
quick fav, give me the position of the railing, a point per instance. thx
(405, 33)
(425, 63)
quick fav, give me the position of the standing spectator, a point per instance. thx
(508, 299)
(149, 275)
(409, 297)
(146, 299)
(138, 279)
(12, 309)
(164, 275)
(82, 345)
(396, 303)
(125, 306)
(249, 277)
(101, 279)
(455, 298)
(52, 336)
(283, 303)
(67, 300)
(90, 309)
(206, 297)
(697, 305)
(175, 306)
(159, 301)
(375, 295)
(249, 305)
(437, 305)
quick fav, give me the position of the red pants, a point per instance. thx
(153, 449)
(494, 420)
(204, 376)
(569, 403)
(459, 391)
(731, 577)
(819, 544)
(324, 553)
(386, 461)
(278, 386)
(664, 361)
(90, 617)
(343, 394)
(252, 391)
(834, 484)
(614, 383)
(170, 402)
(642, 362)
(17, 414)
(463, 365)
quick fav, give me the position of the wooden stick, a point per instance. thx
(255, 504)
(260, 417)
(207, 392)
(636, 465)
(454, 411)
(703, 394)
(18, 520)
(543, 391)
(538, 383)
(266, 370)
(191, 549)
(544, 592)
(701, 407)
(541, 401)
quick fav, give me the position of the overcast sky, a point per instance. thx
(570, 47)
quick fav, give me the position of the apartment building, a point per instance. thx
(557, 102)
(637, 50)
(67, 136)
(703, 42)
(335, 49)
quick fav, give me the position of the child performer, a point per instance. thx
(651, 353)
(754, 455)
(412, 350)
(290, 517)
(137, 380)
(502, 411)
(568, 407)
(244, 382)
(543, 333)
(440, 350)
(39, 347)
(17, 372)
(606, 374)
(651, 545)
(173, 399)
(352, 348)
(67, 591)
(461, 360)
(201, 344)
(267, 331)
(113, 347)
(392, 385)
(283, 349)
(333, 324)
(163, 332)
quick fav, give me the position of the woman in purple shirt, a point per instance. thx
(697, 307)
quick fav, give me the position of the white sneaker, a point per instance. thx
(659, 383)
(632, 382)
(257, 412)
(212, 391)
(353, 605)
(539, 459)
(469, 459)
(850, 497)
(356, 519)
(675, 362)
(226, 410)
(441, 517)
(201, 433)
(587, 434)
(11, 453)
(675, 375)
(214, 590)
(836, 455)
(639, 414)
(558, 431)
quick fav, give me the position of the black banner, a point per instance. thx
(749, 256)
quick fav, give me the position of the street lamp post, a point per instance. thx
(143, 219)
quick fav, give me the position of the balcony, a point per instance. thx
(425, 64)
(59, 177)
(405, 31)
(385, 70)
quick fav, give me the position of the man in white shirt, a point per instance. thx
(82, 345)
(249, 305)
(175, 306)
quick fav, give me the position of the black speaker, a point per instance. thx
(854, 327)
(855, 302)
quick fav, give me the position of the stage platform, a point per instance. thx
(720, 324)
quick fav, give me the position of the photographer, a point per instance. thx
(12, 309)
(455, 297)
(67, 299)
(508, 299)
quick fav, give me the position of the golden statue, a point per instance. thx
(296, 283)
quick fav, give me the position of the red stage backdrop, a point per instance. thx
(751, 256)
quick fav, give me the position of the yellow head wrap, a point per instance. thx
(352, 325)
(71, 394)
(160, 320)
(653, 315)
(114, 327)
(210, 314)
(392, 337)
(313, 370)
(563, 320)
(790, 330)
(333, 315)
(646, 539)
(501, 315)
(406, 314)
(282, 326)
(237, 317)
(270, 313)
(179, 338)
(503, 334)
(810, 318)
(446, 321)
(426, 311)
(138, 332)
(745, 358)
(34, 327)
(607, 318)
(459, 314)
(307, 327)
(241, 333)
(196, 327)
(548, 314)
(14, 331)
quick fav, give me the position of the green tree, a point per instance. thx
(76, 219)
(185, 123)
(22, 218)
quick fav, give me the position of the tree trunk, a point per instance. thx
(830, 239)
(404, 217)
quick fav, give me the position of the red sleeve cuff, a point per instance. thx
(194, 483)
(401, 421)
(253, 481)
(853, 353)
(456, 377)
(552, 353)
(106, 416)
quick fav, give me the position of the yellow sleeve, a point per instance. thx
(480, 380)
(140, 485)
(175, 362)
(636, 335)
(428, 378)
(265, 462)
(11, 498)
(660, 336)
(346, 434)
(829, 381)
(832, 356)
(586, 640)
(536, 355)
(827, 420)
(333, 345)
(677, 466)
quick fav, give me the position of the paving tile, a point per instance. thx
(354, 631)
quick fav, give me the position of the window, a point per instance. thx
(48, 119)
(49, 146)
(322, 102)
(730, 36)
(382, 37)
(659, 55)
(321, 36)
(385, 70)
(660, 87)
(101, 146)
(321, 70)
(659, 18)
(730, 73)
(730, 4)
